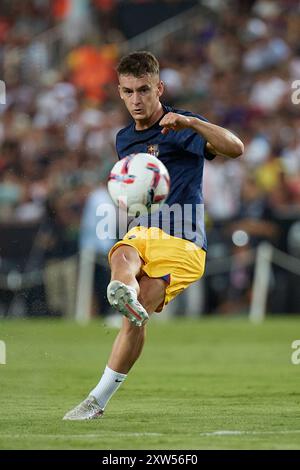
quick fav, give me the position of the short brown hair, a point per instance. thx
(138, 64)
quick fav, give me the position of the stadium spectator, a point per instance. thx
(95, 246)
(59, 123)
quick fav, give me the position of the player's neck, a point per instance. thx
(142, 125)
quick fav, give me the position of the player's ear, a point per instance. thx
(161, 88)
(120, 92)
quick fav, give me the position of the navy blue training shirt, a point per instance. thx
(183, 153)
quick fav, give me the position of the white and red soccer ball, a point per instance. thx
(139, 184)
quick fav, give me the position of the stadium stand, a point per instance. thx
(234, 62)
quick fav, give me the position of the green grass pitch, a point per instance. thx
(200, 384)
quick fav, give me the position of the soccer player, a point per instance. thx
(153, 264)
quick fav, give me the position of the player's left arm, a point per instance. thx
(220, 141)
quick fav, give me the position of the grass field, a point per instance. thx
(209, 384)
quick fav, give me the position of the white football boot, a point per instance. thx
(124, 299)
(87, 409)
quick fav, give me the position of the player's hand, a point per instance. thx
(175, 122)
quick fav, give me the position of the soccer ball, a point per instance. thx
(139, 184)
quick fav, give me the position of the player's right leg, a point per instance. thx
(123, 290)
(129, 342)
(126, 264)
(126, 349)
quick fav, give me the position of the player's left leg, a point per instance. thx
(152, 292)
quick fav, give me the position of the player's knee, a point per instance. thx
(119, 263)
(124, 257)
(118, 257)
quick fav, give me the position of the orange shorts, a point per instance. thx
(179, 262)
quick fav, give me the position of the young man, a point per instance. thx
(150, 266)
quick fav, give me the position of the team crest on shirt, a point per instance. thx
(153, 149)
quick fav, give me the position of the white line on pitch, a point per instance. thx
(81, 436)
(252, 433)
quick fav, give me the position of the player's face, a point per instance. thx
(141, 97)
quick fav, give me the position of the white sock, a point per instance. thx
(108, 385)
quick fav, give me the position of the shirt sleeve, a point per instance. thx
(208, 155)
(191, 141)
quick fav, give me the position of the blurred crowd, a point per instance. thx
(236, 66)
